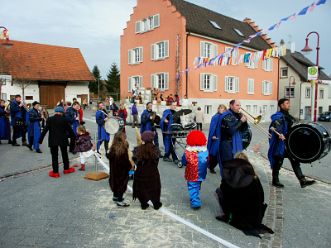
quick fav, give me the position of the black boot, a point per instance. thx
(304, 182)
(275, 178)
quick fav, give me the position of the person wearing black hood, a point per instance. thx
(241, 197)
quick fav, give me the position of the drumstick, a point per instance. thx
(275, 131)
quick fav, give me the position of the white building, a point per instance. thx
(43, 73)
(293, 84)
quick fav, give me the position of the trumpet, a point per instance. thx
(256, 121)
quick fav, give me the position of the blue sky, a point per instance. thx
(95, 26)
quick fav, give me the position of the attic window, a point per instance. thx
(238, 32)
(215, 25)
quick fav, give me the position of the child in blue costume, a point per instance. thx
(195, 159)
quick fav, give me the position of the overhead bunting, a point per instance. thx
(226, 57)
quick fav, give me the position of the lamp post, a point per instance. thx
(308, 49)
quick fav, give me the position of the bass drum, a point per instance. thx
(177, 130)
(114, 125)
(308, 142)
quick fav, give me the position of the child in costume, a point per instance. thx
(83, 145)
(195, 159)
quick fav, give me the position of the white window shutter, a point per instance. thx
(140, 81)
(215, 51)
(138, 27)
(153, 52)
(130, 57)
(226, 84)
(270, 88)
(236, 84)
(166, 48)
(130, 85)
(202, 49)
(263, 88)
(166, 81)
(215, 82)
(156, 21)
(141, 54)
(271, 63)
(202, 80)
(155, 81)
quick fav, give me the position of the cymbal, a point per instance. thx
(183, 112)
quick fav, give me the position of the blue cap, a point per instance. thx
(59, 109)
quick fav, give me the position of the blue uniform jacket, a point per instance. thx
(146, 123)
(214, 130)
(100, 119)
(34, 127)
(166, 127)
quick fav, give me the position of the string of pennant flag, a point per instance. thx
(233, 57)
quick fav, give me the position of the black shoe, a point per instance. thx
(25, 144)
(304, 183)
(166, 159)
(158, 205)
(15, 144)
(144, 206)
(115, 199)
(212, 171)
(223, 218)
(10, 142)
(278, 184)
(38, 151)
(30, 147)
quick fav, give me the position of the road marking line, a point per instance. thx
(180, 219)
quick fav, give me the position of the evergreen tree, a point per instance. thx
(113, 81)
(93, 86)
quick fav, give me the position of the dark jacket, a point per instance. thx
(59, 129)
(83, 143)
(71, 114)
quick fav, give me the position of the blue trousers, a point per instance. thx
(194, 191)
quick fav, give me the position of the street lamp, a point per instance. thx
(308, 49)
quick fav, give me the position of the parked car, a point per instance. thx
(326, 116)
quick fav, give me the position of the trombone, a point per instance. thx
(256, 121)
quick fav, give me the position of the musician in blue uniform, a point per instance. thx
(214, 138)
(103, 136)
(17, 115)
(34, 129)
(282, 121)
(73, 119)
(147, 122)
(165, 124)
(4, 123)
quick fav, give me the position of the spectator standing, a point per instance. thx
(199, 118)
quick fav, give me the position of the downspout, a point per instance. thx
(186, 67)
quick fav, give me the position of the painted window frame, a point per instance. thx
(213, 82)
(154, 22)
(250, 87)
(266, 88)
(155, 50)
(267, 64)
(212, 51)
(155, 81)
(235, 84)
(130, 82)
(134, 58)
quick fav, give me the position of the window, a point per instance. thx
(208, 109)
(250, 86)
(148, 24)
(215, 25)
(249, 108)
(227, 51)
(307, 92)
(135, 82)
(29, 98)
(264, 109)
(320, 110)
(289, 92)
(267, 64)
(4, 96)
(254, 109)
(208, 50)
(160, 81)
(284, 72)
(272, 109)
(208, 82)
(321, 94)
(231, 84)
(239, 32)
(266, 88)
(160, 50)
(135, 56)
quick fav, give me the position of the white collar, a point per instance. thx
(196, 148)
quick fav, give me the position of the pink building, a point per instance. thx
(165, 36)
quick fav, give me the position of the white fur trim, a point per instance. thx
(196, 148)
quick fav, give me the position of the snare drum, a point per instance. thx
(308, 142)
(114, 125)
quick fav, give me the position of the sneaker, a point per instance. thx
(70, 170)
(122, 204)
(166, 159)
(54, 175)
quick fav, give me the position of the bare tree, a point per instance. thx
(23, 84)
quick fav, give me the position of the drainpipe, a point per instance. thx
(186, 66)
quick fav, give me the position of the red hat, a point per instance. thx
(196, 138)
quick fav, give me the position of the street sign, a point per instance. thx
(313, 73)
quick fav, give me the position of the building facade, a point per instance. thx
(163, 37)
(293, 84)
(44, 73)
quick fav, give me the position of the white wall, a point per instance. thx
(76, 88)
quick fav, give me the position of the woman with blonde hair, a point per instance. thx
(120, 165)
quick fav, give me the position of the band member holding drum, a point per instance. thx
(17, 114)
(165, 124)
(281, 122)
(214, 138)
(34, 129)
(232, 123)
(147, 122)
(103, 136)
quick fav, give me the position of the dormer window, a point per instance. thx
(215, 25)
(239, 32)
